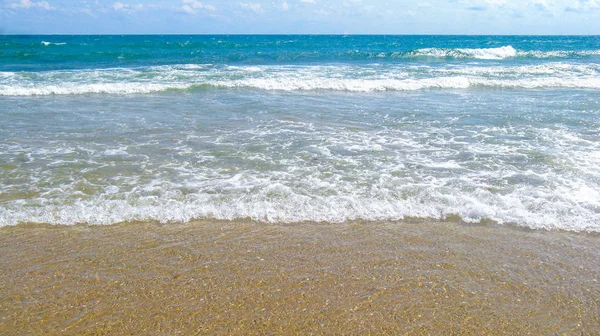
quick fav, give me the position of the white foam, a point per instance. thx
(491, 53)
(77, 89)
(116, 151)
(477, 53)
(458, 82)
(500, 53)
(299, 78)
(346, 175)
(557, 54)
(53, 43)
(279, 203)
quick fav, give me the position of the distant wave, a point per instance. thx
(558, 54)
(485, 53)
(500, 53)
(53, 43)
(506, 52)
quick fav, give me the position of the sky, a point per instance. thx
(551, 17)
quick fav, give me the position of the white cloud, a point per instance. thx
(584, 5)
(192, 6)
(496, 3)
(255, 7)
(350, 3)
(308, 1)
(285, 6)
(118, 6)
(30, 4)
(85, 11)
(541, 4)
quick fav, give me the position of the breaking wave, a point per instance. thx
(484, 53)
(53, 43)
(505, 52)
(353, 78)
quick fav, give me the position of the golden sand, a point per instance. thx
(213, 277)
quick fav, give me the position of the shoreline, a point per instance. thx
(452, 220)
(243, 277)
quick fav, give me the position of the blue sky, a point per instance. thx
(300, 16)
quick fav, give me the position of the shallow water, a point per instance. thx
(524, 157)
(283, 129)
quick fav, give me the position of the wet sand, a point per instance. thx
(214, 277)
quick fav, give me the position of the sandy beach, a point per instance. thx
(242, 277)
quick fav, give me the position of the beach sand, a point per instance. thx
(243, 277)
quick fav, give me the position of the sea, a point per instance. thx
(105, 129)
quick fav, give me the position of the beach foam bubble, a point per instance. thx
(277, 203)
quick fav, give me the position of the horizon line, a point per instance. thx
(279, 34)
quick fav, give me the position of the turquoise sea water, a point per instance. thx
(104, 129)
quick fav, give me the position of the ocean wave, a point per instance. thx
(462, 82)
(295, 84)
(500, 53)
(332, 161)
(354, 78)
(345, 175)
(558, 54)
(35, 53)
(53, 43)
(277, 203)
(483, 53)
(424, 54)
(100, 88)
